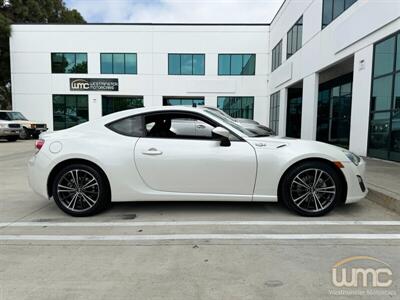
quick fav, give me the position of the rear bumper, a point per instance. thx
(38, 167)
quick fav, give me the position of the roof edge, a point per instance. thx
(153, 24)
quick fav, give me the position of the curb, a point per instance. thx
(383, 199)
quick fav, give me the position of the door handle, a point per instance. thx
(201, 126)
(152, 151)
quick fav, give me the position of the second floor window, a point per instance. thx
(295, 38)
(331, 9)
(276, 56)
(186, 64)
(236, 64)
(118, 63)
(69, 63)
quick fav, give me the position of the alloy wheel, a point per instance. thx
(78, 190)
(313, 190)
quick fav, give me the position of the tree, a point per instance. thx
(28, 11)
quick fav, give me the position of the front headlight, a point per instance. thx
(355, 159)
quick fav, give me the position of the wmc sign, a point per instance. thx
(362, 275)
(93, 84)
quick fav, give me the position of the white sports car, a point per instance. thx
(188, 154)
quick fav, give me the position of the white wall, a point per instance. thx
(33, 83)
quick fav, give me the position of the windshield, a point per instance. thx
(11, 115)
(229, 121)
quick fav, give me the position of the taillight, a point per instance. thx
(39, 144)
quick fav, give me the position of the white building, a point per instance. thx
(323, 69)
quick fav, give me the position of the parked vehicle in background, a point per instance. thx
(250, 125)
(28, 128)
(9, 129)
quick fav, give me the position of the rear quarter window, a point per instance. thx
(131, 126)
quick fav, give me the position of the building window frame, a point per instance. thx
(243, 66)
(63, 54)
(390, 154)
(276, 56)
(102, 71)
(274, 108)
(294, 44)
(171, 55)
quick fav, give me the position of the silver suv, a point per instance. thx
(9, 128)
(28, 128)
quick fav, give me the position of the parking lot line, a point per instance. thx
(200, 223)
(175, 237)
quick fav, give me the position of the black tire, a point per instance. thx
(12, 138)
(309, 195)
(24, 134)
(99, 194)
(35, 135)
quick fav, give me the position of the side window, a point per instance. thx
(178, 125)
(131, 126)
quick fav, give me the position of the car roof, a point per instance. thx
(141, 110)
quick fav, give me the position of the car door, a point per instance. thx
(195, 164)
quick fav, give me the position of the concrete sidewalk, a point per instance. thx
(383, 180)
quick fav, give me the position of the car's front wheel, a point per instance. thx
(80, 190)
(312, 188)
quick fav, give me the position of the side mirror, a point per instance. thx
(223, 135)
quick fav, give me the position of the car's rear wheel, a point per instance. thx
(80, 190)
(312, 188)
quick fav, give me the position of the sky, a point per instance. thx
(176, 11)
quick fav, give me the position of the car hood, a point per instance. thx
(300, 147)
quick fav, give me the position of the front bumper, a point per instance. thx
(356, 184)
(5, 132)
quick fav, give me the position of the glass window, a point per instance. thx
(236, 64)
(69, 110)
(331, 9)
(334, 110)
(224, 64)
(381, 93)
(398, 53)
(69, 63)
(186, 64)
(384, 134)
(276, 56)
(327, 12)
(294, 112)
(274, 112)
(118, 63)
(384, 57)
(130, 63)
(294, 37)
(111, 104)
(174, 64)
(106, 63)
(188, 101)
(178, 125)
(237, 107)
(338, 8)
(132, 126)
